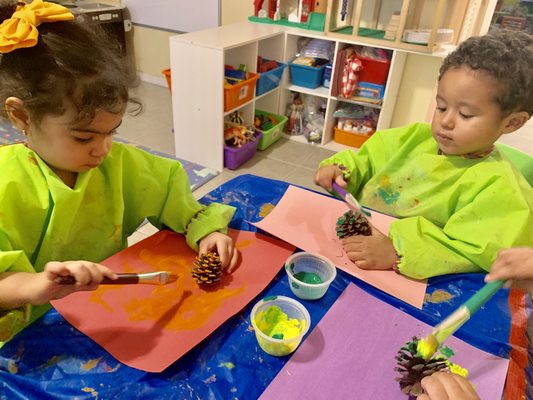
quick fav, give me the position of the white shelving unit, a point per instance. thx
(197, 62)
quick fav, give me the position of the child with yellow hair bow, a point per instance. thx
(69, 196)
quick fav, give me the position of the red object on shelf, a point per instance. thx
(258, 4)
(264, 65)
(307, 7)
(374, 71)
(272, 7)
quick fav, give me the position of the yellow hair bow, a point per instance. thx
(20, 30)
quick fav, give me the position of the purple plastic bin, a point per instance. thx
(234, 157)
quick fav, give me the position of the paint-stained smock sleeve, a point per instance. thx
(158, 188)
(499, 216)
(371, 157)
(13, 320)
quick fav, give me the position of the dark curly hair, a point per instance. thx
(505, 55)
(72, 61)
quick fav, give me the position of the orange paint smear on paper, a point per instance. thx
(97, 296)
(177, 306)
(242, 244)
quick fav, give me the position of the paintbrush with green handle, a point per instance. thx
(431, 343)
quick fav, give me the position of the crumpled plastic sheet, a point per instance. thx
(52, 360)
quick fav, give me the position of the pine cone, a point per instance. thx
(207, 268)
(413, 368)
(350, 224)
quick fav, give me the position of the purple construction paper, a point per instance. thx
(350, 355)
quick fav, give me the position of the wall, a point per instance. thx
(151, 53)
(416, 95)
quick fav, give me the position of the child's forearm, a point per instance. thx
(15, 289)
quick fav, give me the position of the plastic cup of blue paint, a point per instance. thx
(309, 275)
(279, 323)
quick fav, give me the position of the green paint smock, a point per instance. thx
(455, 213)
(42, 219)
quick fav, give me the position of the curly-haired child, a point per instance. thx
(457, 198)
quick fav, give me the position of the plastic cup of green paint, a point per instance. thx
(309, 275)
(279, 323)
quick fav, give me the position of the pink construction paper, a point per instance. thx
(149, 327)
(307, 220)
(350, 355)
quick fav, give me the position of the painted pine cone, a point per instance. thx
(350, 224)
(413, 368)
(207, 268)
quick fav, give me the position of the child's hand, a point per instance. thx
(88, 276)
(224, 247)
(370, 252)
(515, 265)
(327, 174)
(447, 386)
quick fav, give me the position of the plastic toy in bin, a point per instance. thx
(354, 132)
(237, 135)
(239, 86)
(307, 71)
(270, 73)
(234, 157)
(271, 126)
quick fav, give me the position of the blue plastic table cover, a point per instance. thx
(53, 360)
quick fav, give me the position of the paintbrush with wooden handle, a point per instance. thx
(150, 278)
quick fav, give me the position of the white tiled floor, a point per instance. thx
(285, 160)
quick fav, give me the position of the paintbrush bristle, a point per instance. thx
(169, 277)
(427, 347)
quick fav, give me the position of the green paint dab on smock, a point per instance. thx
(388, 197)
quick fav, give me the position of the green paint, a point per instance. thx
(446, 351)
(269, 298)
(275, 323)
(387, 196)
(291, 267)
(308, 277)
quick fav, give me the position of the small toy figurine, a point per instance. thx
(237, 135)
(295, 124)
(350, 224)
(237, 118)
(207, 268)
